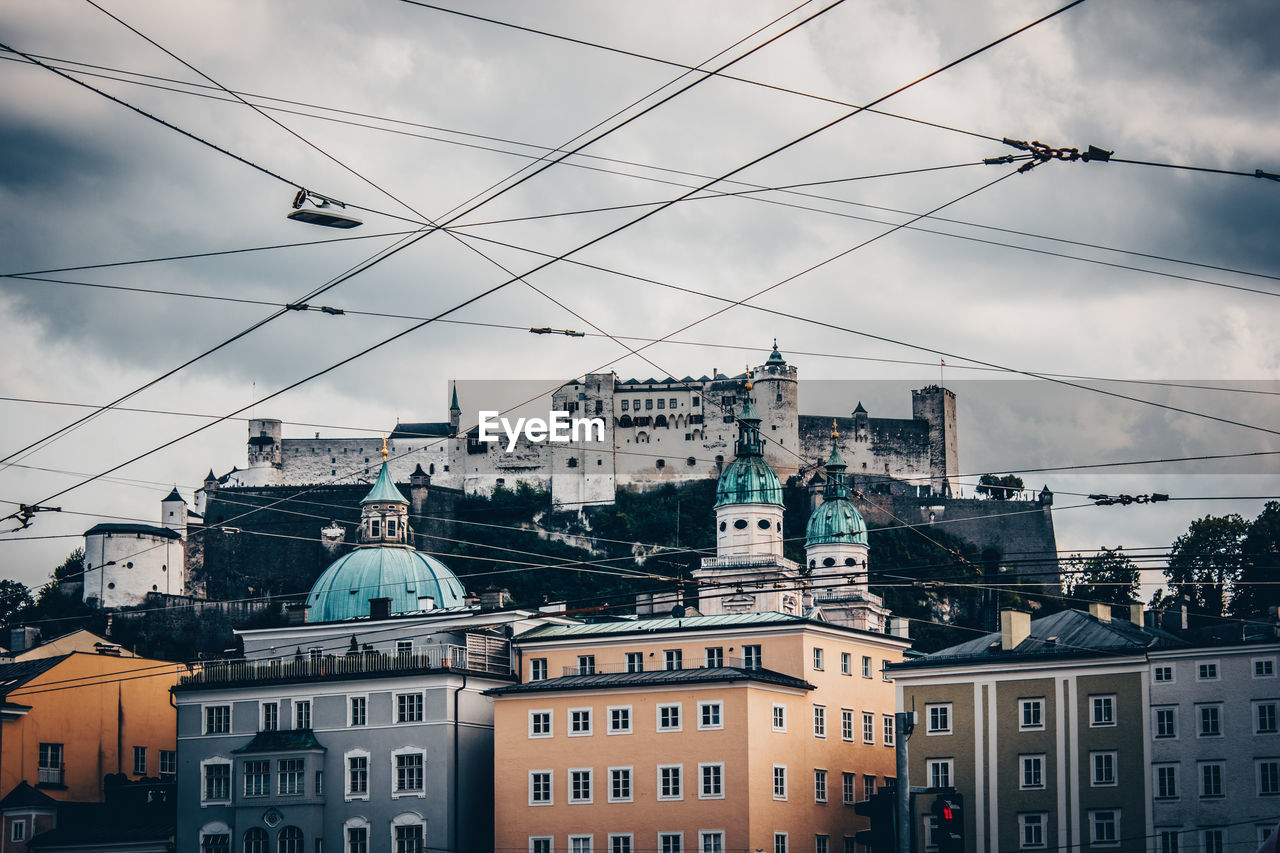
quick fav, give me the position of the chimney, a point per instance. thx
(1015, 626)
(1136, 613)
(900, 627)
(494, 599)
(1100, 611)
(295, 614)
(379, 608)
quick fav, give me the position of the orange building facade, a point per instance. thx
(702, 734)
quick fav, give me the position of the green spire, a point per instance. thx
(384, 489)
(453, 405)
(837, 486)
(748, 429)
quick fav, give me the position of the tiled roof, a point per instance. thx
(14, 675)
(654, 678)
(1068, 634)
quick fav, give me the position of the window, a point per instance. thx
(1162, 674)
(819, 721)
(887, 729)
(537, 669)
(410, 839)
(1211, 782)
(1213, 840)
(846, 724)
(357, 775)
(1104, 827)
(217, 781)
(619, 784)
(579, 722)
(930, 825)
(779, 842)
(1031, 830)
(669, 782)
(847, 788)
(302, 714)
(939, 770)
(217, 719)
(673, 659)
(868, 728)
(712, 781)
(712, 842)
(1268, 777)
(289, 778)
(1031, 714)
(358, 839)
(819, 786)
(714, 657)
(818, 662)
(168, 764)
(626, 405)
(1032, 772)
(670, 842)
(215, 842)
(257, 778)
(140, 760)
(619, 843)
(662, 404)
(846, 663)
(410, 773)
(620, 720)
(669, 718)
(821, 844)
(269, 716)
(409, 708)
(403, 647)
(1104, 711)
(1210, 720)
(1104, 768)
(868, 787)
(635, 663)
(710, 715)
(779, 782)
(540, 788)
(1264, 718)
(540, 724)
(1264, 667)
(751, 657)
(1207, 670)
(1168, 841)
(939, 717)
(779, 718)
(580, 785)
(586, 664)
(1166, 722)
(1166, 781)
(18, 830)
(358, 711)
(866, 667)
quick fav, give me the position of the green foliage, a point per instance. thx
(1205, 561)
(14, 599)
(999, 488)
(1109, 577)
(1256, 590)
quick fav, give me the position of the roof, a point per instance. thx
(835, 521)
(653, 678)
(79, 640)
(384, 490)
(284, 740)
(671, 624)
(748, 479)
(174, 496)
(15, 675)
(1065, 635)
(148, 529)
(25, 796)
(101, 826)
(775, 357)
(433, 429)
(396, 572)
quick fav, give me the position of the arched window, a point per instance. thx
(660, 421)
(624, 421)
(289, 840)
(215, 838)
(408, 833)
(256, 841)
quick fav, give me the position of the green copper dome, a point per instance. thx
(392, 571)
(836, 522)
(384, 489)
(748, 479)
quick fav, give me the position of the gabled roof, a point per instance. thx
(1065, 635)
(654, 678)
(25, 796)
(15, 675)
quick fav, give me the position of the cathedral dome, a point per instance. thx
(836, 522)
(748, 480)
(396, 572)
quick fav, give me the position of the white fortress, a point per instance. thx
(657, 431)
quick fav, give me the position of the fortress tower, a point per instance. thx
(937, 405)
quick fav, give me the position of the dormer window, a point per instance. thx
(391, 528)
(375, 528)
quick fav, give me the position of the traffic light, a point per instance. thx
(948, 813)
(881, 809)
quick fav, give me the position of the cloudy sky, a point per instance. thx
(414, 113)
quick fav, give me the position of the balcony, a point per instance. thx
(733, 562)
(487, 655)
(616, 668)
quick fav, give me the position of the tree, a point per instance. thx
(999, 488)
(1255, 592)
(1108, 576)
(14, 598)
(1205, 562)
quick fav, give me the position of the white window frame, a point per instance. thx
(820, 721)
(719, 708)
(1219, 706)
(1258, 764)
(569, 722)
(848, 787)
(347, 794)
(205, 800)
(776, 713)
(18, 830)
(678, 836)
(1169, 668)
(296, 705)
(591, 786)
(667, 706)
(1023, 822)
(351, 697)
(534, 843)
(1036, 702)
(204, 718)
(1275, 716)
(1201, 767)
(1267, 662)
(1093, 828)
(702, 766)
(1101, 755)
(631, 841)
(887, 729)
(551, 722)
(1023, 761)
(819, 659)
(866, 666)
(931, 765)
(780, 791)
(551, 787)
(1155, 781)
(1095, 721)
(538, 669)
(781, 843)
(1205, 844)
(395, 708)
(628, 729)
(408, 794)
(1213, 667)
(263, 704)
(579, 837)
(631, 785)
(705, 834)
(868, 727)
(846, 663)
(679, 775)
(848, 732)
(1155, 722)
(821, 785)
(929, 727)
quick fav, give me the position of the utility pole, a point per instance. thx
(904, 724)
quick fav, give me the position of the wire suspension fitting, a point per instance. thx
(1042, 153)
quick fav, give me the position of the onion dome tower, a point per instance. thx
(748, 496)
(383, 565)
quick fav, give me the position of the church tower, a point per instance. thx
(384, 512)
